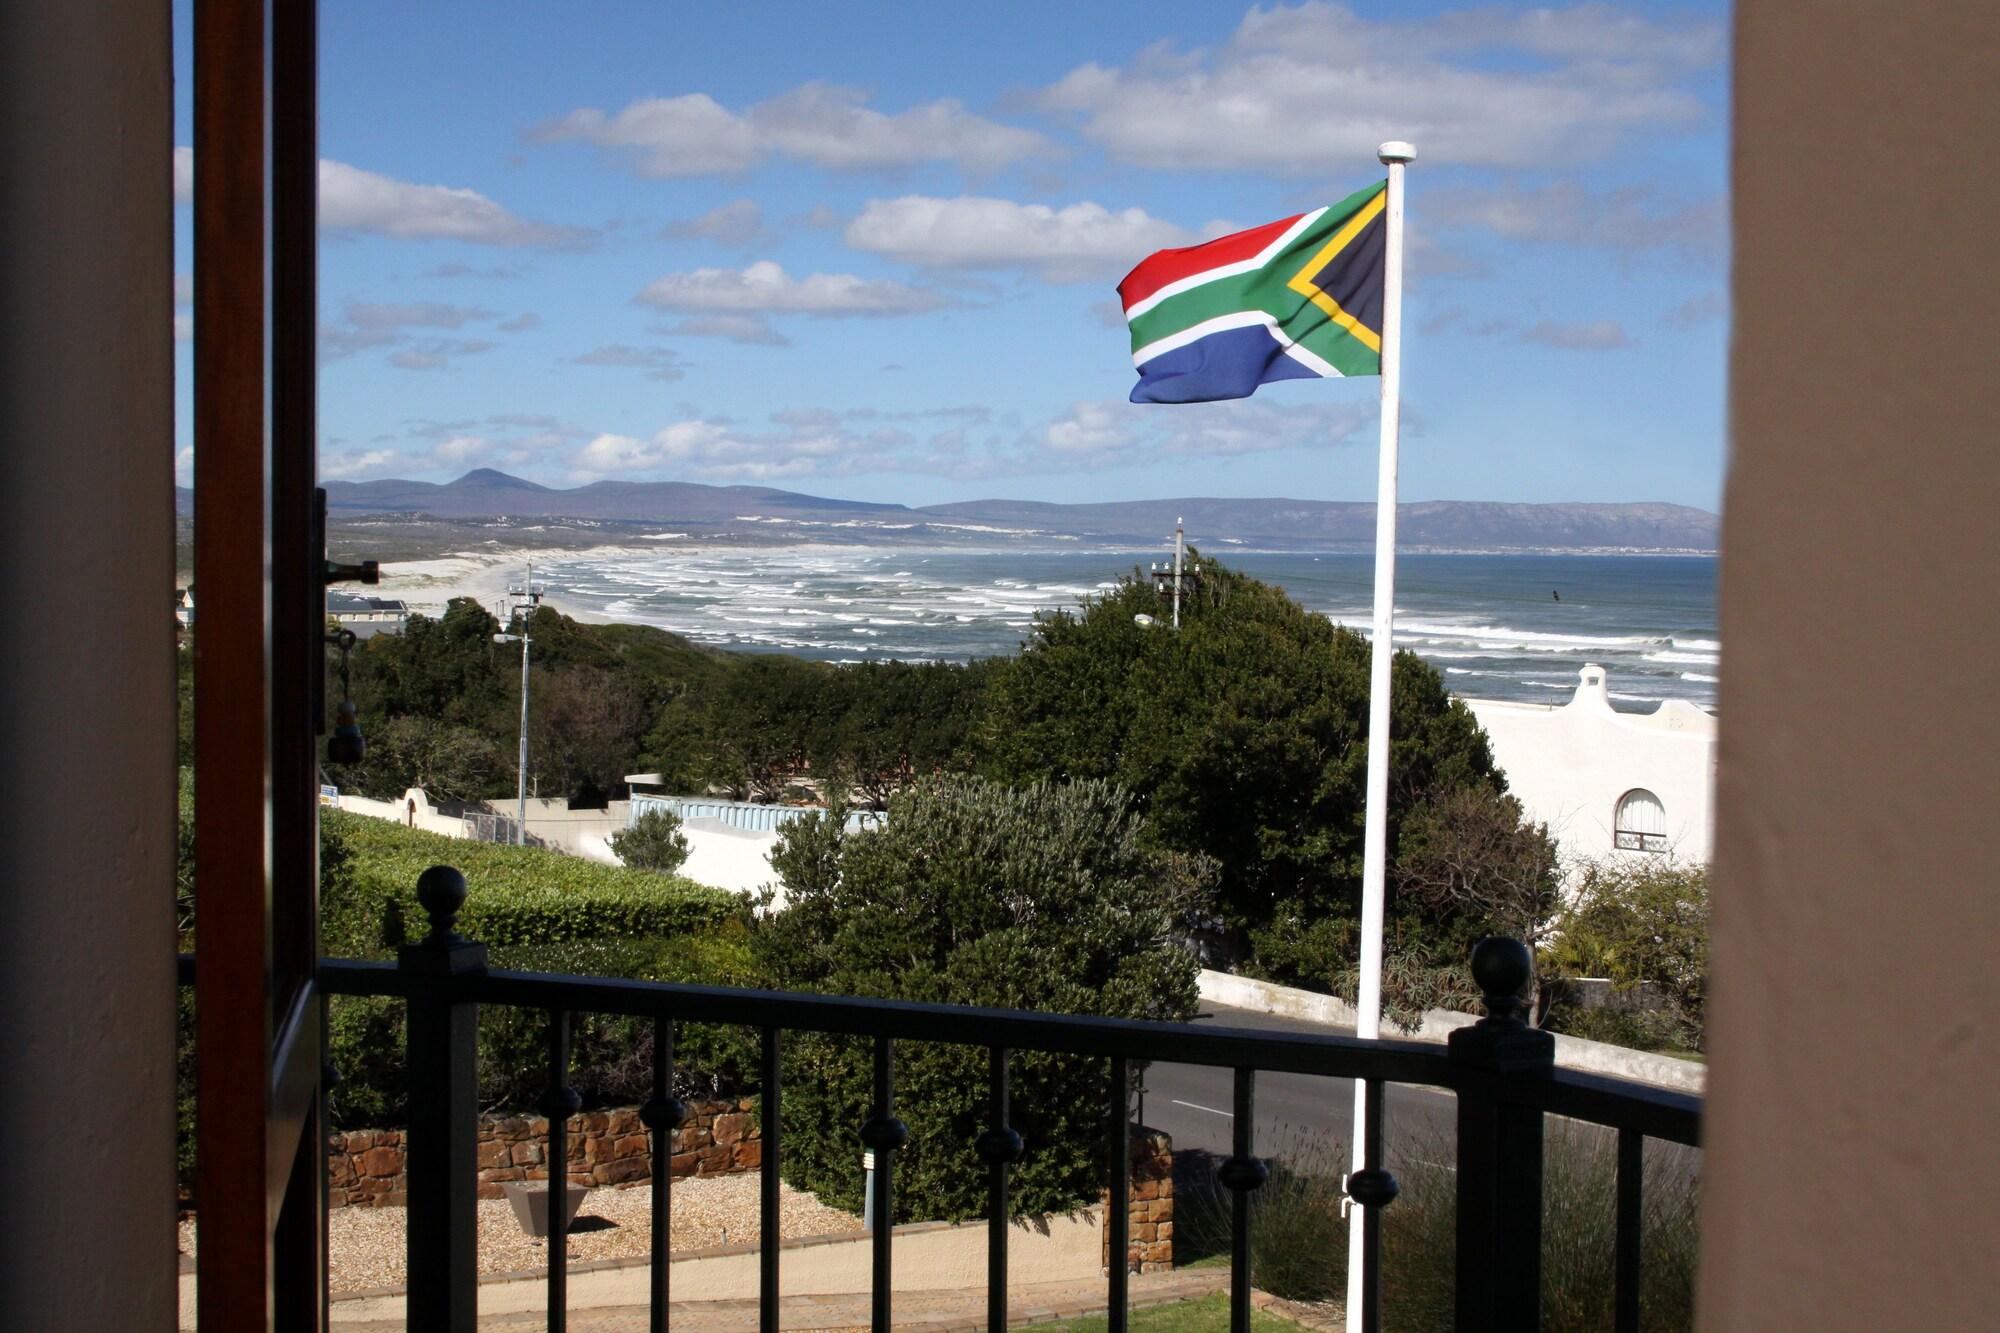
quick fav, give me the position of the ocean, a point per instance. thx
(1498, 626)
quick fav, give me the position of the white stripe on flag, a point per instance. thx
(1239, 319)
(1256, 261)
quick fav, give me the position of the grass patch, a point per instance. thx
(1197, 1316)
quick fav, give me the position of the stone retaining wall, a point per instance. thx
(1150, 1240)
(365, 1166)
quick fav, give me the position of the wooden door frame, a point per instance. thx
(260, 1177)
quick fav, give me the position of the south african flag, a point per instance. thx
(1300, 298)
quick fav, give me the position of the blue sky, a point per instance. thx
(869, 251)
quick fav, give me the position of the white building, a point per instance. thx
(1609, 783)
(729, 842)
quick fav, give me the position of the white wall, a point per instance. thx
(728, 858)
(412, 810)
(719, 855)
(1569, 764)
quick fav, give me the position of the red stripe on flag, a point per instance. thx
(1157, 270)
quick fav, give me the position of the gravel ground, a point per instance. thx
(367, 1243)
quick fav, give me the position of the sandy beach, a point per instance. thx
(428, 585)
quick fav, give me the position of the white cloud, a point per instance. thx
(1108, 433)
(347, 467)
(1601, 335)
(765, 288)
(497, 272)
(183, 289)
(1297, 87)
(660, 363)
(351, 199)
(818, 123)
(183, 328)
(1093, 430)
(184, 465)
(963, 442)
(370, 325)
(1072, 243)
(462, 451)
(423, 314)
(437, 353)
(751, 330)
(737, 225)
(1564, 213)
(521, 323)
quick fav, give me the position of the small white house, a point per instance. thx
(1609, 783)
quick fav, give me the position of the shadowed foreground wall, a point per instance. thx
(86, 667)
(1852, 1176)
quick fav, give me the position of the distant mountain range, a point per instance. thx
(739, 512)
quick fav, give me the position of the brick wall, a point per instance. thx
(365, 1166)
(1150, 1247)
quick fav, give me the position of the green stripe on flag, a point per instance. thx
(1266, 290)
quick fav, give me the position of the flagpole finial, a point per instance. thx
(1396, 151)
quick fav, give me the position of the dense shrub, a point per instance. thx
(653, 841)
(1043, 897)
(1637, 921)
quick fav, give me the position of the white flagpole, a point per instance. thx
(1375, 843)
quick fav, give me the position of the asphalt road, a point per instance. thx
(1297, 1114)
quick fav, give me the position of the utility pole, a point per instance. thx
(531, 592)
(1170, 580)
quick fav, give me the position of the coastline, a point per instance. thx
(426, 586)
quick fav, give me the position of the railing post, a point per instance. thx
(1499, 1256)
(442, 1160)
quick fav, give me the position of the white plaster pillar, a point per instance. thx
(86, 665)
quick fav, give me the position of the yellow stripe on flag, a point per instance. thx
(1302, 284)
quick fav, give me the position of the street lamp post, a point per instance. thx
(531, 592)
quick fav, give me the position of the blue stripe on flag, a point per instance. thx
(1230, 363)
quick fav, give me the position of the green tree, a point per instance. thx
(653, 841)
(1467, 865)
(450, 762)
(446, 669)
(889, 723)
(1242, 736)
(1637, 921)
(1039, 897)
(766, 720)
(583, 729)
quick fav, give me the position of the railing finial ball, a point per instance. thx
(441, 890)
(1502, 967)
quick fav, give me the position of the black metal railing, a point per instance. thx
(1501, 1070)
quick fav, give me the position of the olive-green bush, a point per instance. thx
(1041, 897)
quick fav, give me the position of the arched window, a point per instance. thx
(1641, 825)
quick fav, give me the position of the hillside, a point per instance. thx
(761, 514)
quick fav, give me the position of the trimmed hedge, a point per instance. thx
(519, 895)
(536, 910)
